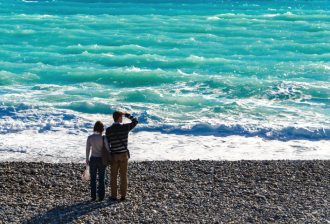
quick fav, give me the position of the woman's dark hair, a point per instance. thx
(99, 127)
(116, 115)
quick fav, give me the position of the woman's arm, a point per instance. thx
(106, 144)
(88, 150)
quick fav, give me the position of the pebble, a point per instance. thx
(284, 191)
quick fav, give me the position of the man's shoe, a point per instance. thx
(113, 199)
(123, 198)
(93, 199)
(101, 199)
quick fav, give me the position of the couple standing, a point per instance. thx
(115, 142)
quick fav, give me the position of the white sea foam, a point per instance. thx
(271, 15)
(194, 57)
(227, 14)
(182, 73)
(60, 147)
(109, 55)
(213, 18)
(288, 13)
(134, 69)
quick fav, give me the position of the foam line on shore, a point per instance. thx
(151, 146)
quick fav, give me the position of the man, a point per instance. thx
(117, 135)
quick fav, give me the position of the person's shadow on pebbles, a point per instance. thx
(66, 214)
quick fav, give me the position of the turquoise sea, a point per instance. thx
(252, 68)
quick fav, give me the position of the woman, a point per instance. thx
(95, 144)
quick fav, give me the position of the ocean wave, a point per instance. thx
(213, 18)
(95, 49)
(282, 134)
(9, 78)
(40, 119)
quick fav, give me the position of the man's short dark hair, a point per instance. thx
(116, 115)
(99, 127)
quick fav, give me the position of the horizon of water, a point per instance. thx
(200, 68)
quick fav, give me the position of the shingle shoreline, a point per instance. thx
(284, 191)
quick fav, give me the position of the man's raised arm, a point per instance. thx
(133, 119)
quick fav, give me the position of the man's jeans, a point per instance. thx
(120, 163)
(96, 164)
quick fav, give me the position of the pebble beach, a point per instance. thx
(282, 191)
